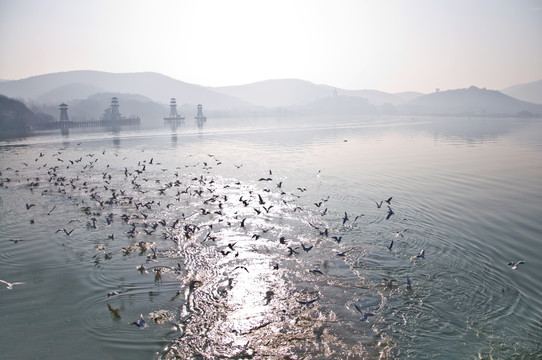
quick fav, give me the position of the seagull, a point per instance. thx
(308, 302)
(390, 245)
(140, 323)
(389, 282)
(514, 265)
(389, 200)
(421, 254)
(378, 205)
(357, 217)
(400, 233)
(306, 248)
(241, 267)
(345, 218)
(364, 315)
(9, 285)
(28, 206)
(390, 213)
(268, 296)
(292, 251)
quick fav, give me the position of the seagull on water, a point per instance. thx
(388, 282)
(9, 285)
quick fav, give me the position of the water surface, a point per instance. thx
(262, 238)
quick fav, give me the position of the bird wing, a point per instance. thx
(358, 309)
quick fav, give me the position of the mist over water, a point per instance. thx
(262, 238)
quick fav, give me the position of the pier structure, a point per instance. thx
(64, 119)
(111, 119)
(174, 118)
(115, 114)
(200, 119)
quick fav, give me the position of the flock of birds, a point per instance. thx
(152, 201)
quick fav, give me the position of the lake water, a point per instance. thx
(261, 238)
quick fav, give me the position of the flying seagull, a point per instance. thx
(364, 315)
(345, 218)
(140, 323)
(515, 265)
(390, 245)
(9, 285)
(390, 213)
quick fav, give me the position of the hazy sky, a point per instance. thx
(385, 45)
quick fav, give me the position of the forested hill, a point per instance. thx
(16, 119)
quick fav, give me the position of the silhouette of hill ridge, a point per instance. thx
(530, 92)
(263, 96)
(471, 101)
(158, 87)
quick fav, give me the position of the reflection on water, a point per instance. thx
(264, 240)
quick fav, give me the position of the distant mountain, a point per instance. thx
(68, 92)
(471, 101)
(277, 93)
(77, 88)
(379, 98)
(337, 105)
(158, 87)
(531, 92)
(294, 92)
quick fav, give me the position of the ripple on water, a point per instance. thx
(223, 292)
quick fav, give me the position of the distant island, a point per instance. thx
(27, 102)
